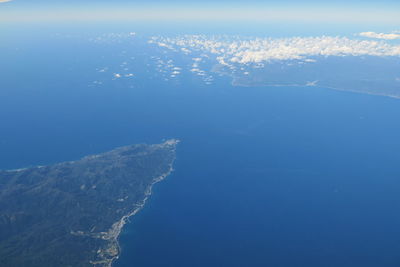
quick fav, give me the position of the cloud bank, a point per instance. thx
(3, 1)
(257, 50)
(384, 36)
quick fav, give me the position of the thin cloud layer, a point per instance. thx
(384, 36)
(266, 49)
(3, 1)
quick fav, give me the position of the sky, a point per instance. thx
(350, 11)
(251, 17)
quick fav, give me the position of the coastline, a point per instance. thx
(113, 250)
(86, 199)
(236, 83)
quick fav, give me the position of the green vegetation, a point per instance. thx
(71, 213)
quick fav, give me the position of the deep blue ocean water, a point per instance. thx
(264, 176)
(276, 177)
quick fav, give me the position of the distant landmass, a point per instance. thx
(71, 213)
(368, 75)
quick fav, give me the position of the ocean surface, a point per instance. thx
(264, 176)
(275, 177)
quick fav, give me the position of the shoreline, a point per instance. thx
(236, 83)
(114, 249)
(90, 230)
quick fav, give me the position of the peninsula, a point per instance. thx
(71, 213)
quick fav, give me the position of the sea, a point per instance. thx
(264, 176)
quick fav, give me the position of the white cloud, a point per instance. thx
(3, 1)
(185, 50)
(228, 51)
(313, 83)
(384, 36)
(103, 69)
(309, 60)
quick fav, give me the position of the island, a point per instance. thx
(71, 213)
